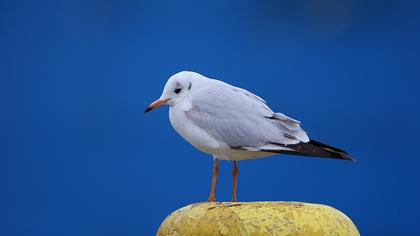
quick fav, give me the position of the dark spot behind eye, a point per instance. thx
(177, 90)
(189, 87)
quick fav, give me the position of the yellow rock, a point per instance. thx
(257, 218)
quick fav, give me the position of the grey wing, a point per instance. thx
(243, 120)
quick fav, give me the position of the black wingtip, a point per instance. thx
(335, 152)
(313, 149)
(347, 157)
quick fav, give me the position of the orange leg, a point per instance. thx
(213, 180)
(235, 174)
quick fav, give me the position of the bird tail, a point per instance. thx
(315, 149)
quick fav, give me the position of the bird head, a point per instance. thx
(178, 86)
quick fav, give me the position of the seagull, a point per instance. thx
(231, 123)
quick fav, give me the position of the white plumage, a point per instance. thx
(220, 119)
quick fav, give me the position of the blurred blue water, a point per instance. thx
(79, 157)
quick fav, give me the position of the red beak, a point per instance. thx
(156, 104)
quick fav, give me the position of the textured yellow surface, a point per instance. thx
(257, 218)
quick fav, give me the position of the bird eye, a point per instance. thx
(177, 90)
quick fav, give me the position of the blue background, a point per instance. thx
(79, 157)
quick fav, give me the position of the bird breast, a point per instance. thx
(196, 136)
